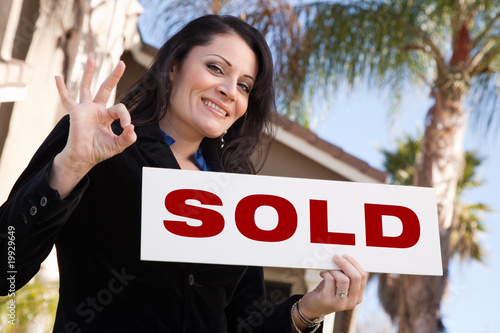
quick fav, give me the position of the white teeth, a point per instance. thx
(215, 106)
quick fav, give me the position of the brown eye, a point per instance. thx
(215, 68)
(244, 87)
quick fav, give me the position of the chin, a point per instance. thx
(213, 136)
(214, 133)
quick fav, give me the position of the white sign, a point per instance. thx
(212, 217)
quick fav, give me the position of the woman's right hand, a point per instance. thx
(91, 139)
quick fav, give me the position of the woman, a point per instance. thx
(202, 105)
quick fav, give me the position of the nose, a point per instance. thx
(229, 89)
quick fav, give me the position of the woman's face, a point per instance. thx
(211, 88)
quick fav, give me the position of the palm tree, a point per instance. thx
(401, 165)
(450, 46)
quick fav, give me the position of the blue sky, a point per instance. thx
(358, 122)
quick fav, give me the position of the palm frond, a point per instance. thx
(358, 42)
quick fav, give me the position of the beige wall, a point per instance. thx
(286, 162)
(32, 119)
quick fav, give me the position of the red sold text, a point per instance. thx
(212, 222)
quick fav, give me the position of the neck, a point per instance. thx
(183, 148)
(185, 145)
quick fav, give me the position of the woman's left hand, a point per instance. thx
(339, 290)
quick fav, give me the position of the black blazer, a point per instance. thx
(104, 286)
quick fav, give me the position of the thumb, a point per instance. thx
(127, 137)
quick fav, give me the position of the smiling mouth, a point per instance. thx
(215, 107)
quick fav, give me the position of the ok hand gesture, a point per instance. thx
(91, 139)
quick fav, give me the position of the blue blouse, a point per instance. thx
(198, 156)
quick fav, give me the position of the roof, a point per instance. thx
(329, 155)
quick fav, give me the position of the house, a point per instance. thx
(296, 151)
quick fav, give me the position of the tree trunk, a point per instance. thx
(440, 165)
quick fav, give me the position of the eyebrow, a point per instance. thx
(230, 65)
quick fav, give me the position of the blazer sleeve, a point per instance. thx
(33, 214)
(249, 311)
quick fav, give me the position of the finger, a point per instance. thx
(355, 276)
(329, 282)
(359, 268)
(109, 84)
(66, 99)
(128, 136)
(119, 111)
(347, 267)
(341, 283)
(86, 83)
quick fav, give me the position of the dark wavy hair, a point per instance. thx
(148, 100)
